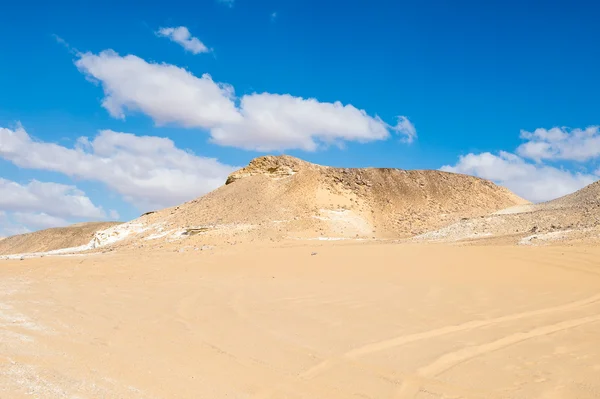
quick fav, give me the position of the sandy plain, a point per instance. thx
(304, 320)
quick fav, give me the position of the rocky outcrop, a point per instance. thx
(273, 166)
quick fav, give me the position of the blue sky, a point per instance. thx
(106, 111)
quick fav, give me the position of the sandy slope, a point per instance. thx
(353, 320)
(52, 239)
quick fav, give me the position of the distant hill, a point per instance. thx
(52, 239)
(586, 198)
(572, 217)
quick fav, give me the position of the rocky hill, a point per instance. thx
(285, 197)
(586, 198)
(566, 219)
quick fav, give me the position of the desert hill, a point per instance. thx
(586, 198)
(572, 217)
(52, 239)
(282, 197)
(285, 197)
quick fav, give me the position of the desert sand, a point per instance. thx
(295, 280)
(304, 319)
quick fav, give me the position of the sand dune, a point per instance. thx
(353, 320)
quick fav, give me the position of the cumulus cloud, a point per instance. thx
(182, 36)
(561, 143)
(406, 129)
(39, 220)
(259, 121)
(274, 121)
(58, 200)
(150, 172)
(535, 171)
(535, 182)
(39, 205)
(8, 228)
(228, 3)
(167, 93)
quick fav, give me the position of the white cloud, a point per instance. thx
(228, 3)
(150, 172)
(265, 122)
(165, 92)
(113, 215)
(8, 228)
(560, 143)
(182, 36)
(275, 122)
(39, 220)
(58, 200)
(535, 182)
(38, 205)
(406, 129)
(273, 16)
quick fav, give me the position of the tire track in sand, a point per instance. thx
(379, 346)
(411, 387)
(470, 325)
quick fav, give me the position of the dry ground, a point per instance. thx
(351, 321)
